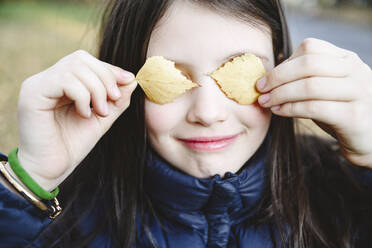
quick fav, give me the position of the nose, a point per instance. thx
(209, 104)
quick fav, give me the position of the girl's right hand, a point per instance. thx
(56, 129)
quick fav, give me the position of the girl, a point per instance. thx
(202, 171)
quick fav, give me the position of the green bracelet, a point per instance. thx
(27, 180)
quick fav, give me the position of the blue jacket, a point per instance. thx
(212, 212)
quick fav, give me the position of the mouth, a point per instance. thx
(214, 143)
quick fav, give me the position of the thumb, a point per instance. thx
(115, 109)
(127, 84)
(122, 76)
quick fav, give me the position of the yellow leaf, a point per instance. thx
(161, 81)
(237, 79)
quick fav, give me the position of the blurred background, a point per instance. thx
(34, 35)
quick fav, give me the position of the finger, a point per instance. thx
(124, 77)
(126, 92)
(312, 88)
(118, 107)
(95, 87)
(105, 74)
(69, 86)
(317, 46)
(329, 112)
(305, 66)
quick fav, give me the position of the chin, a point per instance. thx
(210, 169)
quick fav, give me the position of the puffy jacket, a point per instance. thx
(193, 212)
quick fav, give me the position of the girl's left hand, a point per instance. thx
(330, 85)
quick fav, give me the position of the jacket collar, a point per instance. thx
(190, 199)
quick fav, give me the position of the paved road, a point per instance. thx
(357, 38)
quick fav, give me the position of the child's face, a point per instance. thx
(198, 40)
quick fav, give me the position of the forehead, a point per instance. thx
(193, 35)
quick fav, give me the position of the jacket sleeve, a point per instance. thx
(20, 221)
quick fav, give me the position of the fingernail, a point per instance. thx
(264, 98)
(261, 83)
(115, 91)
(127, 75)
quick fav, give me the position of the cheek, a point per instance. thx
(161, 118)
(254, 116)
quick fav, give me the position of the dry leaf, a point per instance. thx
(161, 81)
(237, 79)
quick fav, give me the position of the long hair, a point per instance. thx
(110, 178)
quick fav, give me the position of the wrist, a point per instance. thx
(47, 184)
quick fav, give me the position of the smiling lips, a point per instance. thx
(209, 143)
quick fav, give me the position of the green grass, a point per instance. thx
(34, 36)
(28, 10)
